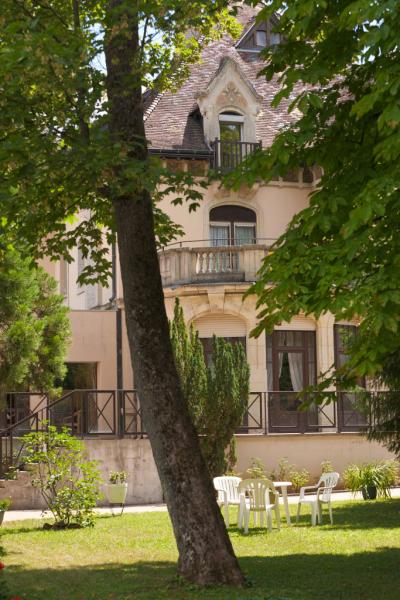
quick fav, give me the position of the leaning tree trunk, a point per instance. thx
(205, 551)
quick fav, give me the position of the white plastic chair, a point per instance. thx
(260, 497)
(322, 495)
(228, 495)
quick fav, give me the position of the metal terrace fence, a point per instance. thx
(113, 413)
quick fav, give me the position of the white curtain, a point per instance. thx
(296, 370)
(219, 235)
(244, 235)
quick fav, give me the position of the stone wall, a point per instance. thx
(130, 455)
(133, 456)
(308, 451)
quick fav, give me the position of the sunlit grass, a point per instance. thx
(133, 557)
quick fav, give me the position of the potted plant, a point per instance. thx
(372, 479)
(4, 505)
(117, 487)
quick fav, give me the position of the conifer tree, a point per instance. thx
(216, 396)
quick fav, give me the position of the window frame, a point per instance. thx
(275, 395)
(232, 222)
(259, 31)
(339, 350)
(248, 225)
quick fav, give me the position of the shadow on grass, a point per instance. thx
(361, 576)
(383, 513)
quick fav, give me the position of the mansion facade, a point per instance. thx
(219, 116)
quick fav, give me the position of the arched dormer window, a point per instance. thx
(232, 225)
(230, 126)
(231, 138)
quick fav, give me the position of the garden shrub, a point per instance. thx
(67, 481)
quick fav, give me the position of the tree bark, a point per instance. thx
(205, 551)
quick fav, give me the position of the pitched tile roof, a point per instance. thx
(172, 120)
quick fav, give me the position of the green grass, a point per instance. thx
(133, 557)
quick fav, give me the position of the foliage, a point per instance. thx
(339, 66)
(217, 396)
(68, 483)
(327, 466)
(5, 504)
(385, 406)
(56, 153)
(34, 326)
(382, 475)
(299, 477)
(256, 469)
(289, 472)
(190, 364)
(118, 477)
(282, 473)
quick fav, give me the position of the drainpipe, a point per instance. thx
(118, 341)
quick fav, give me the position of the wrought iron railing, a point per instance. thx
(86, 413)
(227, 155)
(110, 413)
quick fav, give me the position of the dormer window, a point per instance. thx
(230, 127)
(275, 39)
(230, 135)
(261, 39)
(259, 36)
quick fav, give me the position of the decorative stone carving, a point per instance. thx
(232, 95)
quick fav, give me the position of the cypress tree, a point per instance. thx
(217, 396)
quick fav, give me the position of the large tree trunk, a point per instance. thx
(205, 551)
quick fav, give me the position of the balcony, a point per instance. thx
(199, 262)
(227, 155)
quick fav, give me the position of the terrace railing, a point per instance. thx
(113, 413)
(86, 413)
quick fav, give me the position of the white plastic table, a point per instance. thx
(283, 486)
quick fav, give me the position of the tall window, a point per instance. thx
(230, 135)
(291, 360)
(232, 225)
(291, 366)
(350, 413)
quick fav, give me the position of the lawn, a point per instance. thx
(133, 557)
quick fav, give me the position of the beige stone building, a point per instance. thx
(221, 114)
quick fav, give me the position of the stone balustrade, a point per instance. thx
(209, 264)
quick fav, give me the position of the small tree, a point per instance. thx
(68, 483)
(34, 325)
(217, 396)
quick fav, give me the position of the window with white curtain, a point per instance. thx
(232, 225)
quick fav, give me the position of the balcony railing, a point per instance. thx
(201, 262)
(227, 155)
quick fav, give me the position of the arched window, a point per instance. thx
(230, 126)
(232, 225)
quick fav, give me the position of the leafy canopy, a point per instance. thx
(340, 65)
(57, 159)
